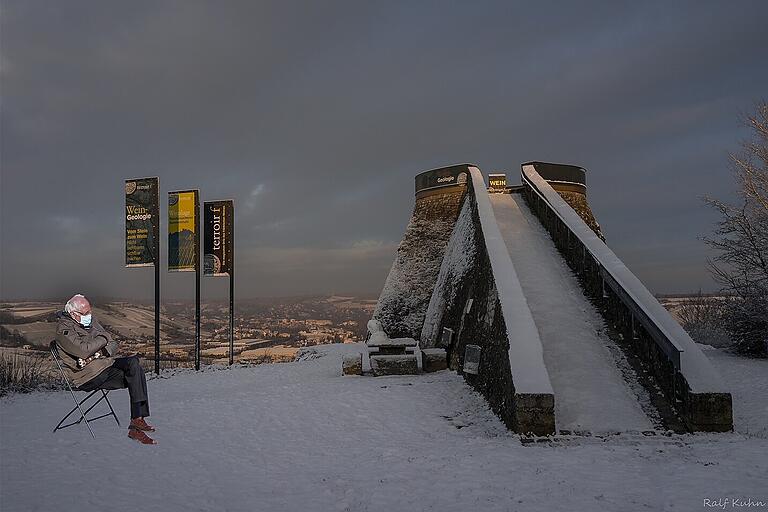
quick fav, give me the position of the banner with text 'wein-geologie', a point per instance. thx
(141, 221)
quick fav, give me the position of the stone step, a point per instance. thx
(433, 359)
(405, 364)
(352, 364)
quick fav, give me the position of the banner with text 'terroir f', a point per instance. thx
(141, 221)
(218, 219)
(182, 230)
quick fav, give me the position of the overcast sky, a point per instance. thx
(315, 118)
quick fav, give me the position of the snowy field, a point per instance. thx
(298, 437)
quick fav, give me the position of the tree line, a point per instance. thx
(740, 242)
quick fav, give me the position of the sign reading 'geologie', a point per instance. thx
(141, 221)
(455, 175)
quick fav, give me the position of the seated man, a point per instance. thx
(88, 350)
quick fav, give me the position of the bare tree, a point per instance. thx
(702, 316)
(741, 241)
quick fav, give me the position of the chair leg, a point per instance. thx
(82, 414)
(74, 399)
(110, 407)
(73, 410)
(79, 405)
(94, 403)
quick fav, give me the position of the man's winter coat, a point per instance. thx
(75, 341)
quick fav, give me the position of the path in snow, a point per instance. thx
(583, 363)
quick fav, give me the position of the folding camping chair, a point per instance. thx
(79, 405)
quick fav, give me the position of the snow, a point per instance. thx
(749, 380)
(525, 352)
(374, 327)
(392, 342)
(298, 436)
(697, 370)
(590, 390)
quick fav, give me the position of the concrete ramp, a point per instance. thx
(591, 390)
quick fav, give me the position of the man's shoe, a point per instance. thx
(140, 424)
(140, 436)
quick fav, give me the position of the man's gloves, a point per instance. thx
(82, 362)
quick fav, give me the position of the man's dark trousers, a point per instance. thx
(125, 372)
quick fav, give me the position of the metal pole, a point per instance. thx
(197, 281)
(157, 292)
(231, 317)
(157, 314)
(232, 287)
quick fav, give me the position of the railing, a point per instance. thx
(603, 273)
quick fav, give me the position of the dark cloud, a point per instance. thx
(315, 117)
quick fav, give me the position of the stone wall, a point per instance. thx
(404, 299)
(579, 203)
(466, 300)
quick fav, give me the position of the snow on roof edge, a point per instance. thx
(526, 354)
(694, 365)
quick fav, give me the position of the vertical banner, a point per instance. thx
(217, 238)
(182, 230)
(219, 251)
(142, 217)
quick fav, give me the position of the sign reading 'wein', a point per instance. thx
(218, 218)
(497, 182)
(182, 230)
(141, 221)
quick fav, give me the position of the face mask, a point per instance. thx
(85, 320)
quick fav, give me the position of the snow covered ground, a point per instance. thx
(749, 380)
(591, 393)
(299, 437)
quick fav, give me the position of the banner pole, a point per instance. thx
(157, 296)
(198, 228)
(231, 317)
(142, 221)
(232, 291)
